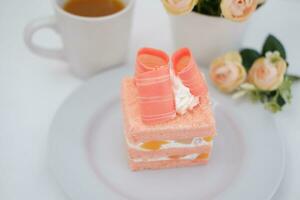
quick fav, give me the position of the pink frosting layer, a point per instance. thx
(197, 123)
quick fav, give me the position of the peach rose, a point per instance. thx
(179, 7)
(227, 72)
(238, 10)
(268, 73)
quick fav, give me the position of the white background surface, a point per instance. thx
(32, 88)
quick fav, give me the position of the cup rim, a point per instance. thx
(87, 19)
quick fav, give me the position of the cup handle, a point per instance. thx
(32, 28)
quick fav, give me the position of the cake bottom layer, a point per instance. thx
(164, 164)
(169, 161)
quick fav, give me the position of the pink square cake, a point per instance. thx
(185, 140)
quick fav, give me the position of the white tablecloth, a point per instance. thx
(33, 88)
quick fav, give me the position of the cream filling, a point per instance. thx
(196, 142)
(187, 157)
(184, 100)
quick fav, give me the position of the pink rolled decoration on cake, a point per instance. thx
(152, 79)
(186, 68)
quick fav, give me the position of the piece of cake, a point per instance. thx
(167, 115)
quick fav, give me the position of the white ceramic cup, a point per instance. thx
(90, 44)
(208, 37)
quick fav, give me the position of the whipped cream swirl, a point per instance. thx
(184, 100)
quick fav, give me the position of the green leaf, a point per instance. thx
(273, 44)
(208, 7)
(249, 56)
(270, 95)
(285, 89)
(258, 95)
(280, 101)
(260, 5)
(274, 102)
(273, 106)
(279, 98)
(255, 96)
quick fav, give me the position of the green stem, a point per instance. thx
(293, 77)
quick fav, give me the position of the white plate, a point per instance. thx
(88, 155)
